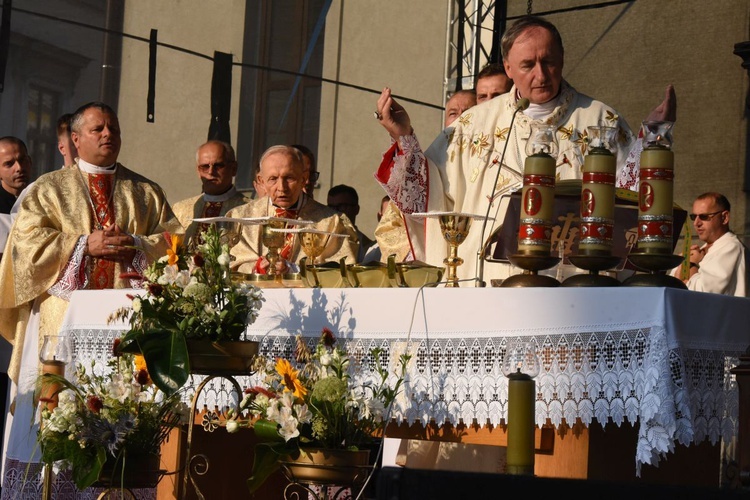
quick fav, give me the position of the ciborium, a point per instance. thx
(313, 243)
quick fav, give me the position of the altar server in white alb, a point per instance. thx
(720, 264)
(458, 171)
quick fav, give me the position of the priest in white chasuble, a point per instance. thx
(468, 169)
(78, 228)
(216, 165)
(283, 176)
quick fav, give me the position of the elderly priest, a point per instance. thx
(217, 166)
(283, 176)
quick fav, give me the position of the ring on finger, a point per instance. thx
(377, 115)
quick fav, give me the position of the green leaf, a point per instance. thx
(86, 474)
(166, 356)
(266, 430)
(266, 462)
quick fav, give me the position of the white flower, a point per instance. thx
(223, 259)
(289, 429)
(325, 359)
(232, 426)
(183, 278)
(137, 304)
(303, 413)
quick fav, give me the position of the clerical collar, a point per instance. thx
(214, 198)
(539, 111)
(300, 202)
(90, 168)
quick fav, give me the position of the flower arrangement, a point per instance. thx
(112, 417)
(187, 296)
(314, 402)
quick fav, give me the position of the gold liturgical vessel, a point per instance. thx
(455, 228)
(537, 210)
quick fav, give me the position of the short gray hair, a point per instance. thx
(283, 149)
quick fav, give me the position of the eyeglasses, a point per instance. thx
(207, 166)
(705, 217)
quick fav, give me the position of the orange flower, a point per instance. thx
(289, 378)
(173, 253)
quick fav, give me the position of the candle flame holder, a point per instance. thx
(597, 211)
(655, 210)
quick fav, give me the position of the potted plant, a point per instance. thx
(108, 425)
(190, 296)
(310, 409)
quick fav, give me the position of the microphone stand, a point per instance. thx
(480, 283)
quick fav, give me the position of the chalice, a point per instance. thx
(274, 241)
(455, 228)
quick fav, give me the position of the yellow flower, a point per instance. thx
(173, 253)
(289, 377)
(140, 362)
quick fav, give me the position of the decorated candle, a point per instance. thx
(49, 389)
(521, 424)
(598, 193)
(538, 193)
(655, 193)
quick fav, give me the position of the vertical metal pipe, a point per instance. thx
(109, 89)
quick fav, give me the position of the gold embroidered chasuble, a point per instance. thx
(195, 207)
(391, 234)
(56, 212)
(250, 246)
(462, 164)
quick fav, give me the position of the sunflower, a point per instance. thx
(289, 377)
(173, 253)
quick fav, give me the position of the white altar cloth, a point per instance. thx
(651, 355)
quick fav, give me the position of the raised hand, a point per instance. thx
(392, 115)
(667, 110)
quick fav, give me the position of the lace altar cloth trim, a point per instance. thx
(89, 345)
(678, 395)
(23, 481)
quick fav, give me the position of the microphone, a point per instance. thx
(521, 105)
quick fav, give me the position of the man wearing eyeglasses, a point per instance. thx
(720, 264)
(217, 166)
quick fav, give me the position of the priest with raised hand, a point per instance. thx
(283, 176)
(217, 166)
(82, 227)
(458, 172)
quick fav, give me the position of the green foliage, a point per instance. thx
(106, 417)
(313, 401)
(187, 296)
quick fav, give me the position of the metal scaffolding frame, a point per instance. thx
(471, 42)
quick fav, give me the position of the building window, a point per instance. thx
(276, 107)
(41, 133)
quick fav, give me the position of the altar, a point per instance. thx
(658, 357)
